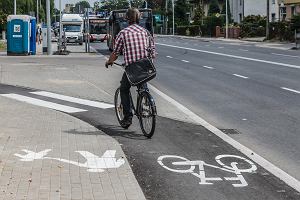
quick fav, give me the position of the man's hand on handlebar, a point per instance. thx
(107, 63)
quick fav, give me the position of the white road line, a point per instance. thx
(208, 45)
(245, 77)
(169, 56)
(74, 100)
(288, 179)
(278, 54)
(207, 67)
(291, 90)
(233, 56)
(243, 50)
(42, 103)
(185, 61)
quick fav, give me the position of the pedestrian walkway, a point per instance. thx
(45, 154)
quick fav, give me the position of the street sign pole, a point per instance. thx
(49, 50)
(37, 11)
(15, 7)
(226, 19)
(268, 20)
(173, 17)
(60, 29)
(88, 29)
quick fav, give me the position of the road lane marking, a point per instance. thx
(197, 168)
(169, 56)
(276, 171)
(237, 75)
(233, 56)
(278, 54)
(74, 100)
(207, 67)
(186, 61)
(243, 50)
(42, 103)
(291, 90)
(208, 45)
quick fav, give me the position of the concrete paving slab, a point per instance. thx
(58, 171)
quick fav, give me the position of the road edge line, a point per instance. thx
(276, 171)
(233, 56)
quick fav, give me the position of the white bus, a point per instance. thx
(73, 27)
(98, 28)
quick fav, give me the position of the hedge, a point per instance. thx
(191, 30)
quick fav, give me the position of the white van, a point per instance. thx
(73, 27)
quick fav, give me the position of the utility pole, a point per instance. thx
(268, 20)
(49, 50)
(60, 29)
(15, 7)
(166, 24)
(173, 10)
(37, 11)
(226, 19)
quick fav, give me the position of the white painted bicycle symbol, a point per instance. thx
(188, 166)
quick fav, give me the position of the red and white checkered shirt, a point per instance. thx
(133, 41)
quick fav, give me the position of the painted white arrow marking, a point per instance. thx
(93, 162)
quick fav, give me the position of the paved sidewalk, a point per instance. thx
(60, 174)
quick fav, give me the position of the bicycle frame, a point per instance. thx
(140, 89)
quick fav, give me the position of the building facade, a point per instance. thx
(288, 8)
(259, 7)
(68, 8)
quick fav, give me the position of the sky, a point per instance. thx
(63, 2)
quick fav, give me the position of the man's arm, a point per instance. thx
(111, 59)
(117, 49)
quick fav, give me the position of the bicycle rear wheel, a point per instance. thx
(147, 114)
(119, 108)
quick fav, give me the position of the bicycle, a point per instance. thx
(145, 109)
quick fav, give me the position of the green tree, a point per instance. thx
(137, 3)
(228, 12)
(181, 9)
(199, 14)
(213, 7)
(114, 4)
(80, 6)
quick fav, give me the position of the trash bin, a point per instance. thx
(18, 30)
(32, 35)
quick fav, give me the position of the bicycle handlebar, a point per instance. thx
(121, 65)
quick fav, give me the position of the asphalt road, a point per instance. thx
(181, 161)
(256, 93)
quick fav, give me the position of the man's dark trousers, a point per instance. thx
(125, 98)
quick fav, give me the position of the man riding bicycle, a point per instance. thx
(133, 42)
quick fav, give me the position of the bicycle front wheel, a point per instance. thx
(119, 108)
(147, 114)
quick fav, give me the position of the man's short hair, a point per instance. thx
(133, 15)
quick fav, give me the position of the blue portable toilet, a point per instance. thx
(32, 35)
(18, 31)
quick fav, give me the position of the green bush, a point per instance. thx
(192, 30)
(209, 26)
(295, 22)
(253, 26)
(281, 31)
(2, 46)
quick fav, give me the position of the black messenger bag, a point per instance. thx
(142, 70)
